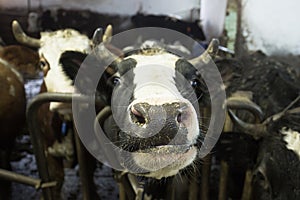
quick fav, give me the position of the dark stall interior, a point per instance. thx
(252, 141)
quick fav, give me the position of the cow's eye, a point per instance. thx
(43, 64)
(194, 83)
(116, 80)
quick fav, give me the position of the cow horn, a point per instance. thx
(100, 49)
(245, 104)
(255, 130)
(22, 37)
(97, 37)
(209, 53)
(108, 34)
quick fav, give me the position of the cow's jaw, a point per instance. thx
(165, 161)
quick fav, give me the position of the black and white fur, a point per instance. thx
(163, 91)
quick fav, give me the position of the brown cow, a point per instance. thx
(17, 63)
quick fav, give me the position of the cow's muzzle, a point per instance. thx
(143, 114)
(156, 125)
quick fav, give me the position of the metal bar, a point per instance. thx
(223, 181)
(125, 186)
(206, 167)
(239, 46)
(226, 50)
(247, 190)
(19, 178)
(83, 172)
(193, 187)
(36, 138)
(137, 188)
(228, 125)
(122, 192)
(101, 116)
(49, 184)
(205, 174)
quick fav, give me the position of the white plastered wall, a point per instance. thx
(272, 26)
(180, 8)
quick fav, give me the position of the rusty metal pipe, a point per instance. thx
(33, 126)
(19, 178)
(101, 116)
(83, 169)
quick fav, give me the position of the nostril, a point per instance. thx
(179, 118)
(137, 117)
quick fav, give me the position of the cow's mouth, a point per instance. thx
(165, 160)
(167, 149)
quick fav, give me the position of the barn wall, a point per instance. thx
(272, 26)
(121, 7)
(212, 23)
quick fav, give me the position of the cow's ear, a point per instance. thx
(71, 62)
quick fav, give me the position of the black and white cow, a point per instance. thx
(155, 113)
(272, 148)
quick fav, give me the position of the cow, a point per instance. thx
(269, 148)
(51, 46)
(161, 81)
(59, 144)
(17, 64)
(157, 92)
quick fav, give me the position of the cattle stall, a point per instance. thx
(255, 156)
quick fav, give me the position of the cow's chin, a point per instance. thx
(164, 161)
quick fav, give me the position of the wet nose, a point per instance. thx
(159, 125)
(142, 113)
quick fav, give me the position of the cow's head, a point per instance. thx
(51, 46)
(154, 97)
(25, 60)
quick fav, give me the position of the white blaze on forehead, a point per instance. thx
(53, 45)
(292, 138)
(154, 77)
